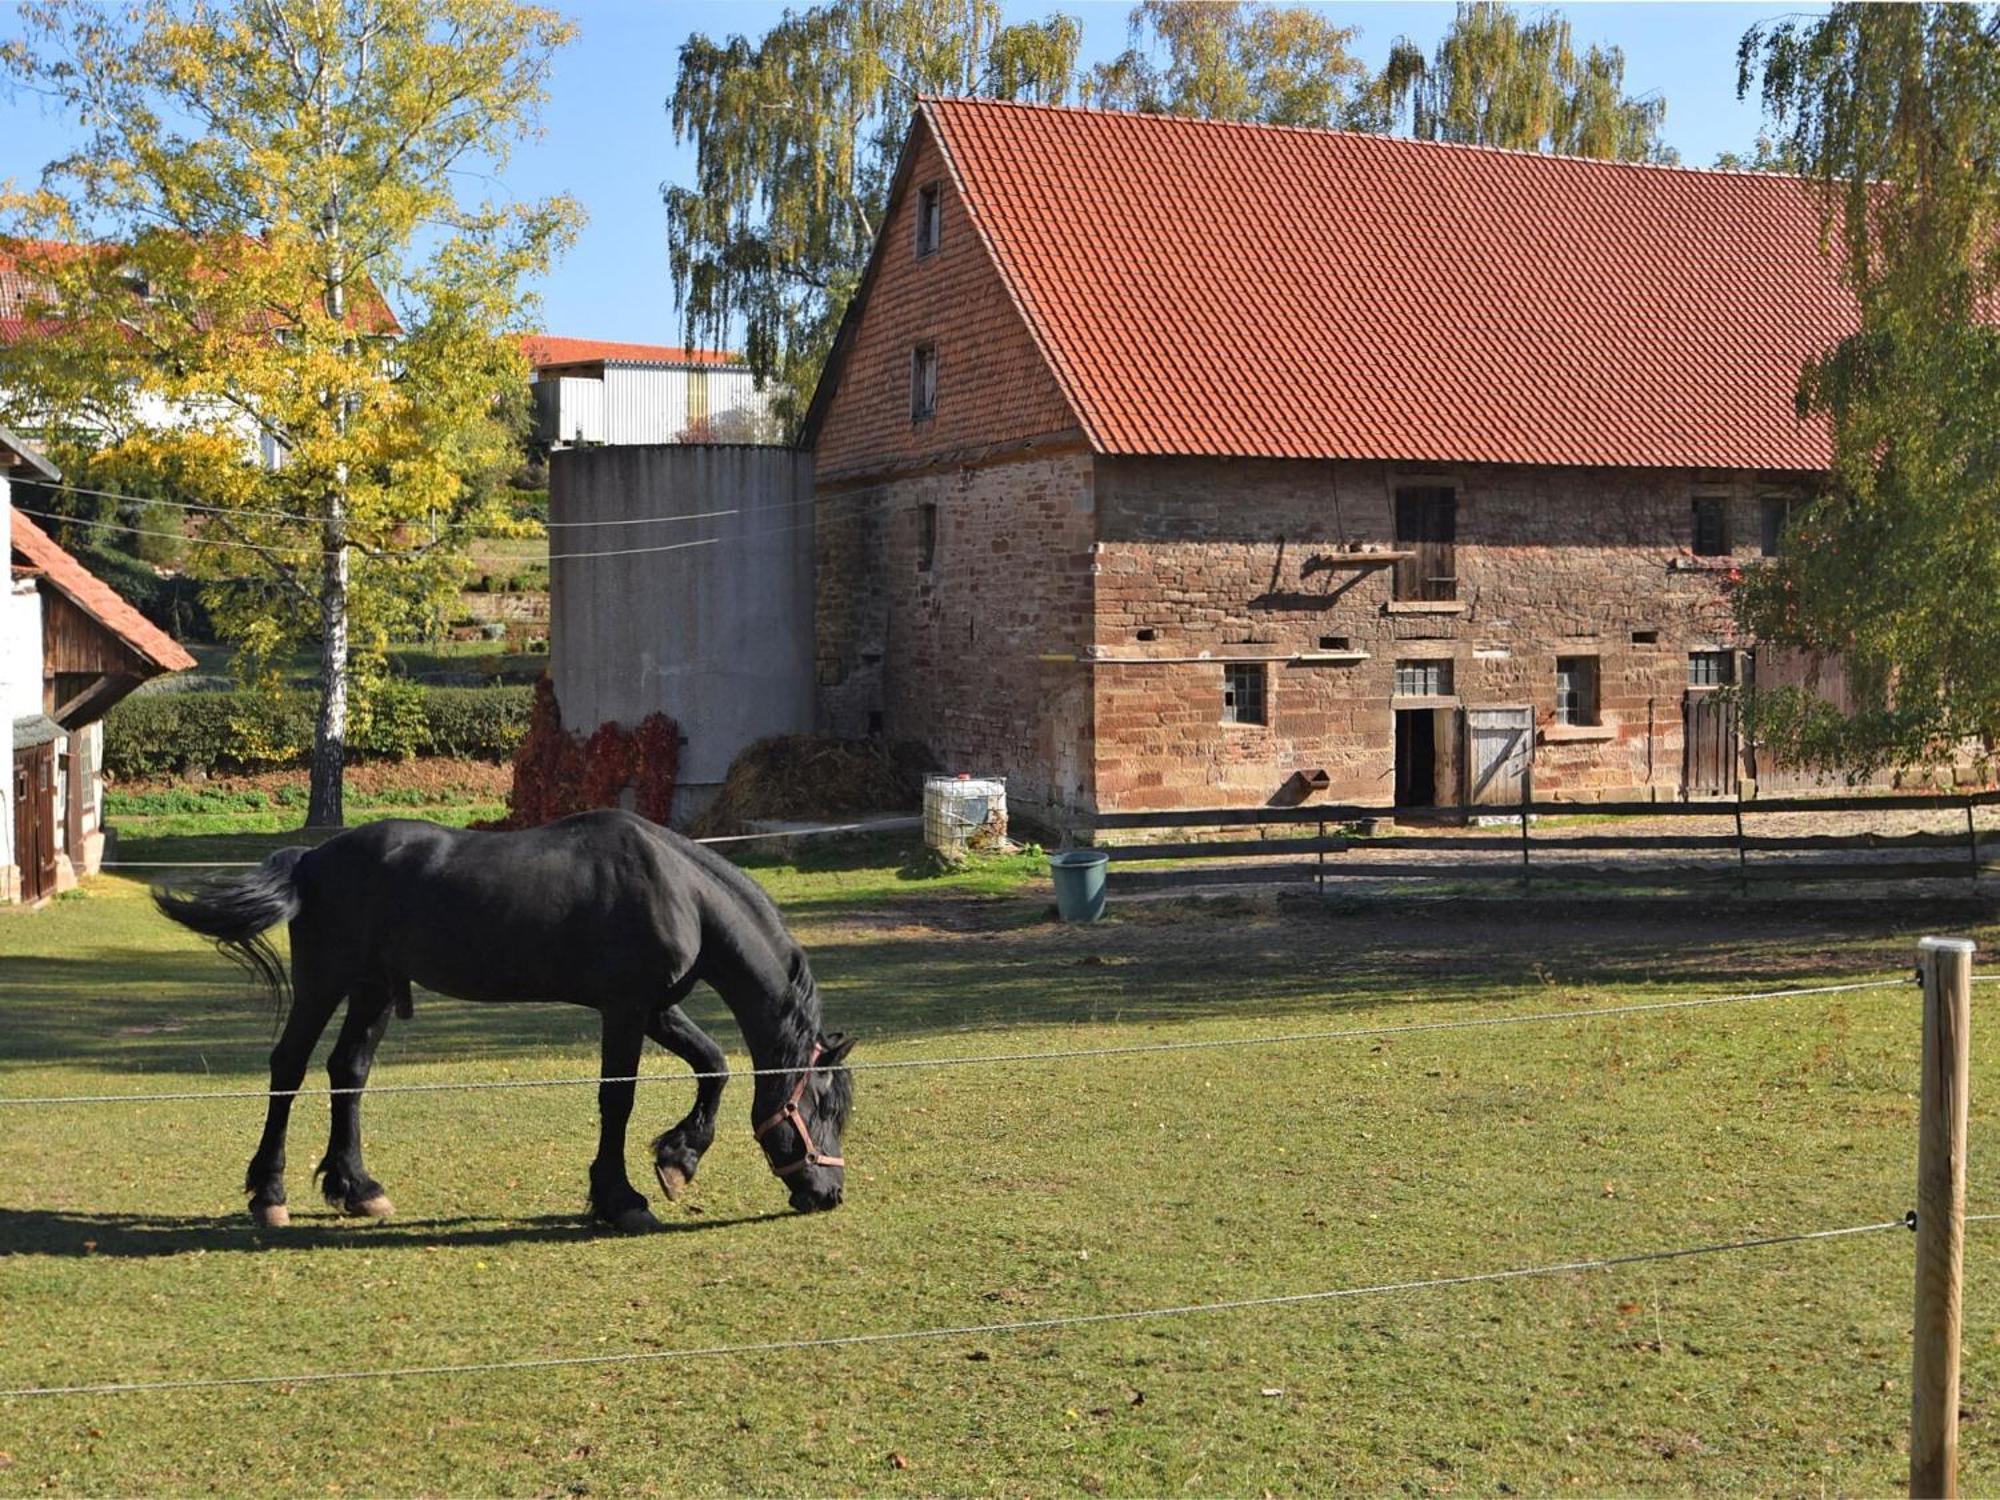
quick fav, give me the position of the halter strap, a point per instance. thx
(789, 1113)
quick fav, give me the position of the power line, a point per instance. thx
(980, 1059)
(270, 550)
(962, 1330)
(293, 515)
(203, 541)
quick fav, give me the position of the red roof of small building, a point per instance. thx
(22, 288)
(96, 598)
(545, 350)
(1212, 288)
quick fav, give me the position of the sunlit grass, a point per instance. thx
(1012, 1192)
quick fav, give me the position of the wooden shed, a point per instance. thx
(72, 649)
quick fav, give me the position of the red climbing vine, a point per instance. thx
(558, 772)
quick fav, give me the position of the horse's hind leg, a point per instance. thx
(343, 1178)
(613, 1199)
(678, 1152)
(313, 1004)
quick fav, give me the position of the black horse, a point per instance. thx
(603, 909)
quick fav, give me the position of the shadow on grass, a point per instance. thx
(897, 968)
(150, 1236)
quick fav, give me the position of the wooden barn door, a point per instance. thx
(1499, 745)
(1709, 745)
(35, 820)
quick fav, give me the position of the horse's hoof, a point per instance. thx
(377, 1207)
(636, 1221)
(673, 1181)
(270, 1215)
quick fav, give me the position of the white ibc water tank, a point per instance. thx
(964, 812)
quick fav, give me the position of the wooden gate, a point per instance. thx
(35, 820)
(1499, 749)
(1708, 745)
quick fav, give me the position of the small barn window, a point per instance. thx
(1423, 679)
(1711, 526)
(1427, 528)
(1708, 669)
(930, 219)
(1576, 690)
(1243, 693)
(926, 537)
(1776, 514)
(923, 382)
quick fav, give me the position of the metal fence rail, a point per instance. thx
(1801, 857)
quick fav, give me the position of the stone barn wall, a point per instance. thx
(977, 653)
(719, 636)
(1243, 560)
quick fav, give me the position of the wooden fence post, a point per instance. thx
(1945, 965)
(1527, 872)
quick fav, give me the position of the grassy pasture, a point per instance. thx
(1013, 1192)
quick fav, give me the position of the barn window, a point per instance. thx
(1711, 526)
(1576, 690)
(1423, 679)
(1243, 693)
(923, 382)
(930, 219)
(1776, 515)
(1708, 669)
(1427, 527)
(926, 537)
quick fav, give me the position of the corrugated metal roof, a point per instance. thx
(545, 350)
(1226, 289)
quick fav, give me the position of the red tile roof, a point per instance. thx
(96, 598)
(1224, 289)
(22, 287)
(545, 349)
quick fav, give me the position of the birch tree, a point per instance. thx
(1498, 78)
(796, 137)
(264, 243)
(1895, 110)
(1229, 60)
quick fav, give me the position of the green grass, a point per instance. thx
(191, 821)
(1013, 1192)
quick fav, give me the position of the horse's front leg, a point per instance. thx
(678, 1152)
(613, 1199)
(343, 1178)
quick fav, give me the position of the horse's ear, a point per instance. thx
(835, 1049)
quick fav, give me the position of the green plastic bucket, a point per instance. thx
(1079, 877)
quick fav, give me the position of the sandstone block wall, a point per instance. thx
(976, 655)
(1243, 560)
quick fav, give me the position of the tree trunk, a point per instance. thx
(324, 807)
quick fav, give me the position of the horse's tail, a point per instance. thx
(234, 911)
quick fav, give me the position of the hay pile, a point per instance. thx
(809, 777)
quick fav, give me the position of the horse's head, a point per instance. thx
(800, 1127)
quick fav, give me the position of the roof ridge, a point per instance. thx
(1389, 137)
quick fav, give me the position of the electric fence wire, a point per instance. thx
(980, 1059)
(961, 1330)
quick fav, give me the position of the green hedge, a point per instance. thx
(158, 734)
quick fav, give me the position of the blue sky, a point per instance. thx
(609, 143)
